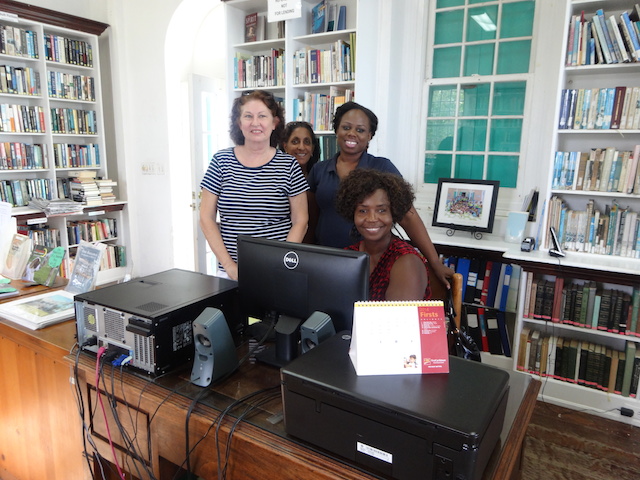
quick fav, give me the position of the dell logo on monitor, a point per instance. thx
(291, 260)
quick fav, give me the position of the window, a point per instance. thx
(477, 85)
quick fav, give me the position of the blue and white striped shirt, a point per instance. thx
(253, 200)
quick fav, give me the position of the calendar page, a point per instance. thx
(399, 338)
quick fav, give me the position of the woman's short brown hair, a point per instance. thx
(269, 100)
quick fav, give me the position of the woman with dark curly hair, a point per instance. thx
(355, 126)
(300, 141)
(374, 201)
(254, 187)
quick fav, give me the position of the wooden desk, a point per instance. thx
(41, 431)
(259, 448)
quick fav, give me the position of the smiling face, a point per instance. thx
(256, 122)
(373, 217)
(354, 132)
(300, 145)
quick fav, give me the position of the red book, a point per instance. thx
(618, 103)
(251, 27)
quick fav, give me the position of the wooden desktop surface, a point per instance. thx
(260, 448)
(38, 376)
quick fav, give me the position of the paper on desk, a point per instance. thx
(38, 311)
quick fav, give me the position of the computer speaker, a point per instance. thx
(317, 328)
(215, 354)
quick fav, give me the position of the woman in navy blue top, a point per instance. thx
(355, 126)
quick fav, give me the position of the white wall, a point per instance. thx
(149, 129)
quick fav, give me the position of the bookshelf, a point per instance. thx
(306, 93)
(52, 126)
(597, 138)
(590, 268)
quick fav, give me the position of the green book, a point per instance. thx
(635, 302)
(630, 354)
(596, 310)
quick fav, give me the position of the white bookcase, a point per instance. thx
(60, 69)
(608, 271)
(297, 37)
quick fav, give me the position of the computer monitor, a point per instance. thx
(295, 280)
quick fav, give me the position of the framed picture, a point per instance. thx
(463, 204)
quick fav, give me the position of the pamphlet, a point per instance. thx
(38, 311)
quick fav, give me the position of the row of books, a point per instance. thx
(113, 257)
(70, 155)
(21, 118)
(19, 80)
(487, 283)
(615, 231)
(598, 170)
(22, 156)
(91, 230)
(74, 121)
(18, 42)
(318, 109)
(19, 192)
(608, 108)
(585, 304)
(255, 71)
(580, 362)
(335, 64)
(488, 328)
(604, 38)
(328, 146)
(41, 234)
(328, 16)
(71, 87)
(67, 50)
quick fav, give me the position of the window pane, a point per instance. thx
(440, 134)
(442, 101)
(482, 23)
(469, 166)
(437, 166)
(517, 19)
(446, 62)
(449, 27)
(504, 169)
(474, 99)
(513, 57)
(449, 3)
(478, 59)
(472, 135)
(508, 98)
(505, 135)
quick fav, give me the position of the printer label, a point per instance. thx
(374, 452)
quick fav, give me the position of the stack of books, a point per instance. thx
(105, 188)
(83, 188)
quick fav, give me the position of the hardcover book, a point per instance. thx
(251, 27)
(319, 17)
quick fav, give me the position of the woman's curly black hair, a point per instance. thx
(363, 182)
(269, 100)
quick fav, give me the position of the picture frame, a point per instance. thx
(466, 204)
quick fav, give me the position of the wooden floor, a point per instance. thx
(566, 444)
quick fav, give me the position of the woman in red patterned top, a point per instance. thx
(375, 201)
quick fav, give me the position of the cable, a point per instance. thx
(101, 351)
(269, 396)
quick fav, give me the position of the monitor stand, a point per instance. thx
(287, 343)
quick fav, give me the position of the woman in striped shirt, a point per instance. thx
(255, 188)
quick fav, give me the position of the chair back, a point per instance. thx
(439, 292)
